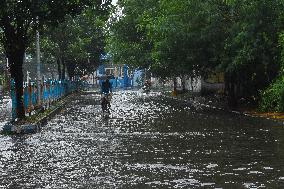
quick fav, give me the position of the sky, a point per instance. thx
(114, 1)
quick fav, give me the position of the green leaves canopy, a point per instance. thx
(18, 21)
(177, 37)
(80, 40)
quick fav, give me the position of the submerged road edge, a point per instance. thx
(14, 128)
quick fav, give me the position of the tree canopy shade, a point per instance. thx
(251, 53)
(20, 18)
(176, 37)
(171, 37)
(128, 42)
(78, 42)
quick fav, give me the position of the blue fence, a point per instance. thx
(121, 83)
(122, 79)
(50, 91)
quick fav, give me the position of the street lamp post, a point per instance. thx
(7, 81)
(38, 69)
(28, 77)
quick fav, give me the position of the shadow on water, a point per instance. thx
(148, 141)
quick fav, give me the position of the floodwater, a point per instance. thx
(5, 108)
(149, 141)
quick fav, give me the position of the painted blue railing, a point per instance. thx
(124, 81)
(121, 83)
(50, 91)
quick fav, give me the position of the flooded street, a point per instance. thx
(149, 141)
(5, 108)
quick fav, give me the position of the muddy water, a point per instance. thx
(149, 141)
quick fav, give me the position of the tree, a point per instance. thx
(176, 38)
(251, 53)
(78, 43)
(20, 19)
(84, 55)
(128, 42)
(171, 37)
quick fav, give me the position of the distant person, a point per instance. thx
(147, 83)
(106, 87)
(106, 90)
(147, 86)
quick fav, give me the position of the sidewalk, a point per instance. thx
(220, 102)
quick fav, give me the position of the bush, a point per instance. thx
(281, 103)
(272, 98)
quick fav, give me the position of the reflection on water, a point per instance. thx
(148, 142)
(5, 109)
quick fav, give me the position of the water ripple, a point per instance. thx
(149, 141)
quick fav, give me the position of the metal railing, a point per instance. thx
(50, 91)
(122, 83)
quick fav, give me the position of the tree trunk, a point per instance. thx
(183, 80)
(6, 81)
(59, 67)
(16, 68)
(70, 67)
(232, 95)
(191, 83)
(63, 69)
(230, 90)
(15, 41)
(175, 84)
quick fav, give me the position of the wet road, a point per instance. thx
(5, 108)
(148, 142)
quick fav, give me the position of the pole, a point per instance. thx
(38, 69)
(7, 80)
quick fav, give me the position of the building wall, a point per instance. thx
(196, 85)
(138, 79)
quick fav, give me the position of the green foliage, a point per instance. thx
(176, 37)
(188, 37)
(168, 37)
(251, 52)
(127, 41)
(79, 41)
(171, 37)
(272, 98)
(19, 19)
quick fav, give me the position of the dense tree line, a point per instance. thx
(77, 44)
(173, 38)
(19, 20)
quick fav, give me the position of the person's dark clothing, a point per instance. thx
(106, 87)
